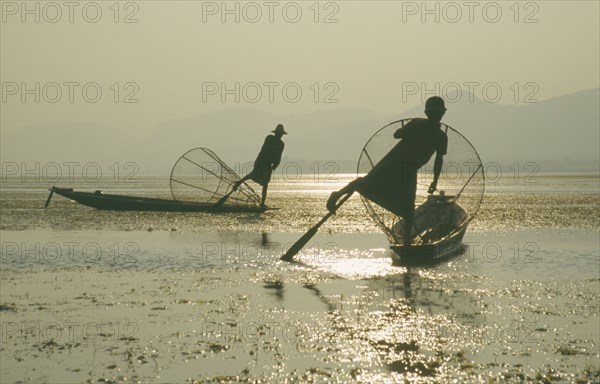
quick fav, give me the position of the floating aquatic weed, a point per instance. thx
(568, 350)
(405, 366)
(8, 307)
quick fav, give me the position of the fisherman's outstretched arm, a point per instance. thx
(277, 158)
(437, 169)
(276, 161)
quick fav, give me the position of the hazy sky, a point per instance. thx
(179, 58)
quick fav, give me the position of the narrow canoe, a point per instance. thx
(106, 201)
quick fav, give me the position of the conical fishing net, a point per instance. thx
(461, 181)
(199, 175)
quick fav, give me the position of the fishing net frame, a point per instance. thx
(200, 175)
(467, 186)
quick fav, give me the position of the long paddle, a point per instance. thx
(298, 245)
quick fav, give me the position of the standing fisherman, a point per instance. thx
(392, 183)
(267, 160)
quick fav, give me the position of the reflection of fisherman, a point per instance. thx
(392, 183)
(267, 160)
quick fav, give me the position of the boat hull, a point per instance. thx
(104, 201)
(429, 253)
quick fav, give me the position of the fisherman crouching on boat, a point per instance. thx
(267, 160)
(392, 183)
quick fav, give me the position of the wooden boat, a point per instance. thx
(106, 201)
(440, 220)
(429, 253)
(439, 226)
(200, 182)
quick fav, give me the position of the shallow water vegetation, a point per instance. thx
(590, 374)
(8, 307)
(568, 350)
(221, 379)
(462, 321)
(48, 344)
(405, 366)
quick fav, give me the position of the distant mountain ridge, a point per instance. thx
(561, 134)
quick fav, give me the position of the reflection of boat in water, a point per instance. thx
(440, 220)
(438, 229)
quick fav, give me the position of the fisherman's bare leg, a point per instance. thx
(408, 225)
(264, 195)
(411, 184)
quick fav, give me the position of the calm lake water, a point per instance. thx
(520, 303)
(550, 221)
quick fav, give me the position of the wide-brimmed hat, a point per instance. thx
(279, 129)
(435, 103)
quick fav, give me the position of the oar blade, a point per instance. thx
(298, 245)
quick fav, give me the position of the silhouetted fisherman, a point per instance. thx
(267, 160)
(392, 183)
